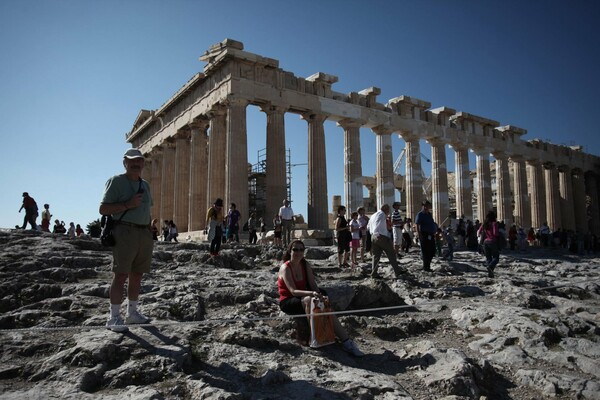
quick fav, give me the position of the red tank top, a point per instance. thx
(284, 292)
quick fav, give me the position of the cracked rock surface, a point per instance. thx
(532, 332)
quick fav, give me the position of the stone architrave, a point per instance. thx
(464, 205)
(236, 158)
(216, 155)
(414, 177)
(317, 172)
(537, 193)
(181, 193)
(384, 166)
(522, 212)
(553, 214)
(567, 211)
(484, 189)
(353, 187)
(439, 183)
(156, 182)
(503, 196)
(276, 175)
(198, 174)
(579, 201)
(167, 181)
(591, 190)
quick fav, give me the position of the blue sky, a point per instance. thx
(74, 74)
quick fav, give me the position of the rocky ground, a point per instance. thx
(530, 333)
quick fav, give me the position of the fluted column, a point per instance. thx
(464, 205)
(216, 155)
(384, 166)
(156, 182)
(484, 189)
(553, 215)
(522, 213)
(565, 185)
(198, 175)
(579, 202)
(537, 193)
(276, 168)
(591, 190)
(317, 172)
(414, 177)
(503, 196)
(167, 181)
(236, 157)
(353, 188)
(439, 183)
(181, 193)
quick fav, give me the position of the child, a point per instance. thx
(355, 243)
(449, 236)
(439, 241)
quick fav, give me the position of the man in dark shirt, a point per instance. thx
(233, 225)
(426, 228)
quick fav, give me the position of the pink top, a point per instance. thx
(490, 234)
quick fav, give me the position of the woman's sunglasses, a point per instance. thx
(296, 249)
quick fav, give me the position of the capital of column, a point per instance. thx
(350, 123)
(382, 130)
(183, 134)
(548, 165)
(312, 117)
(199, 124)
(217, 110)
(564, 168)
(408, 136)
(270, 108)
(231, 101)
(500, 155)
(436, 141)
(482, 151)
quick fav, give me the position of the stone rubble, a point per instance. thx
(217, 332)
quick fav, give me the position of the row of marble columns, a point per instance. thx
(208, 159)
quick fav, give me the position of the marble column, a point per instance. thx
(236, 158)
(579, 201)
(567, 210)
(464, 205)
(168, 181)
(181, 193)
(503, 195)
(537, 193)
(484, 189)
(439, 183)
(384, 167)
(216, 155)
(413, 176)
(553, 216)
(156, 182)
(317, 173)
(276, 179)
(353, 187)
(198, 175)
(591, 190)
(522, 213)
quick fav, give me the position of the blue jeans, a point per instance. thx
(492, 255)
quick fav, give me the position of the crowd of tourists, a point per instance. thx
(32, 213)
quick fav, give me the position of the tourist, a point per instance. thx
(31, 211)
(439, 242)
(233, 223)
(522, 239)
(407, 235)
(214, 226)
(531, 236)
(127, 198)
(252, 238)
(78, 230)
(397, 226)
(263, 231)
(381, 241)
(489, 229)
(71, 231)
(59, 227)
(365, 236)
(343, 237)
(355, 243)
(426, 229)
(286, 214)
(154, 229)
(450, 241)
(46, 217)
(512, 237)
(297, 289)
(277, 228)
(545, 234)
(172, 232)
(165, 230)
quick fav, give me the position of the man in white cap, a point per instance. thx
(287, 221)
(127, 198)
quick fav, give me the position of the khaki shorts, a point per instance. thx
(133, 249)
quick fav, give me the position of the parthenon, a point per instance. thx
(196, 150)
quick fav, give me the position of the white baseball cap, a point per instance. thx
(133, 153)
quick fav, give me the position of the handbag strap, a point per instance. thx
(139, 188)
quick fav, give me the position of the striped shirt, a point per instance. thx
(396, 219)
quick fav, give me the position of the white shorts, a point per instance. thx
(397, 235)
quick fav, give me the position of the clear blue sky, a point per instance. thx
(74, 74)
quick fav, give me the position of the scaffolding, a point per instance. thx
(257, 182)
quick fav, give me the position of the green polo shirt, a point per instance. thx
(119, 189)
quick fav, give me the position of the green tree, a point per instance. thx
(94, 229)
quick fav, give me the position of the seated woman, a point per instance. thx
(297, 287)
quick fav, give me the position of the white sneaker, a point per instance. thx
(116, 324)
(351, 348)
(136, 318)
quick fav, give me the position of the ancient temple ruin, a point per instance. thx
(196, 149)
